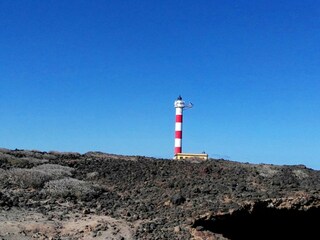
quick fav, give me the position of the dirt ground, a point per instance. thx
(22, 224)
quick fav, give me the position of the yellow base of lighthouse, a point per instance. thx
(198, 156)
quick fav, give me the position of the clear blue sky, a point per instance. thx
(103, 75)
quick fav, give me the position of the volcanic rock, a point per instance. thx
(54, 195)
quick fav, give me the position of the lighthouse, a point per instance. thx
(180, 105)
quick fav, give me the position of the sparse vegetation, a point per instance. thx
(2, 177)
(71, 187)
(267, 171)
(35, 177)
(55, 171)
(26, 178)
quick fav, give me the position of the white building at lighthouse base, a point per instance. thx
(185, 156)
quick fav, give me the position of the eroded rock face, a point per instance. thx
(285, 218)
(162, 198)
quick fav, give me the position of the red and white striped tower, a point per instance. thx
(179, 104)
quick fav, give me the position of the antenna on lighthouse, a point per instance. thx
(189, 105)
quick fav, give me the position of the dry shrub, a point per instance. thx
(23, 162)
(5, 156)
(35, 177)
(3, 177)
(300, 173)
(27, 178)
(71, 187)
(267, 170)
(55, 171)
(34, 161)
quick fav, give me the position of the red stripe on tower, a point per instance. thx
(179, 134)
(178, 118)
(177, 150)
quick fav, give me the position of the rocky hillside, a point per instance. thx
(54, 195)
